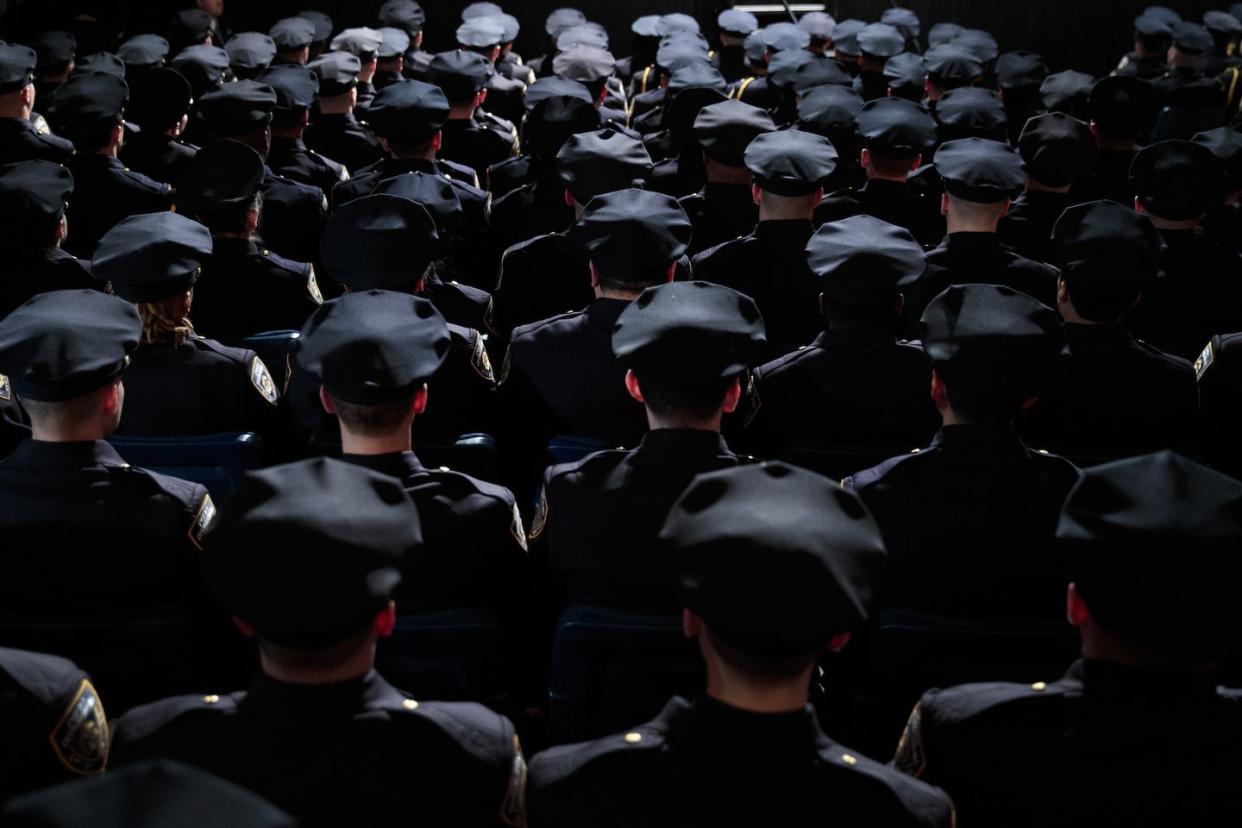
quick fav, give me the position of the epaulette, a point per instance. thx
(146, 182)
(873, 474)
(238, 355)
(534, 327)
(463, 174)
(142, 722)
(555, 764)
(481, 732)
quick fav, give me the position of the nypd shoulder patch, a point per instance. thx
(262, 381)
(202, 521)
(6, 390)
(312, 286)
(480, 361)
(1205, 361)
(80, 738)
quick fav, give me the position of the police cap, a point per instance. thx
(1106, 250)
(860, 260)
(1058, 149)
(337, 71)
(481, 10)
(555, 87)
(250, 51)
(309, 553)
(881, 40)
(776, 560)
(433, 192)
(950, 66)
(737, 22)
(152, 256)
(896, 128)
(380, 242)
(408, 113)
(971, 111)
(144, 50)
(17, 67)
(1020, 70)
(393, 42)
(1067, 92)
(1177, 180)
(1192, 38)
(724, 130)
(904, 20)
(942, 33)
(322, 22)
(906, 75)
(828, 109)
(403, 14)
(1152, 544)
(559, 20)
(1226, 145)
(819, 25)
(363, 42)
(647, 26)
(459, 73)
(1123, 106)
(676, 23)
(1164, 13)
(238, 108)
(295, 86)
(190, 26)
(845, 37)
(67, 343)
(220, 176)
(553, 121)
(1153, 26)
(818, 72)
(779, 37)
(633, 236)
(784, 66)
(104, 63)
(481, 32)
(54, 48)
(87, 101)
(980, 170)
(594, 163)
(585, 64)
(979, 43)
(674, 54)
(1220, 22)
(791, 162)
(293, 33)
(33, 194)
(205, 67)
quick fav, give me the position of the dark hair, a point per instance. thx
(982, 410)
(1154, 43)
(90, 137)
(764, 665)
(231, 219)
(1099, 305)
(288, 118)
(675, 396)
(399, 150)
(886, 163)
(372, 420)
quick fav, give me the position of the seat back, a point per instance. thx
(449, 655)
(567, 448)
(612, 670)
(217, 461)
(275, 349)
(472, 454)
(1184, 122)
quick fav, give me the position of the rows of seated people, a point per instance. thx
(790, 372)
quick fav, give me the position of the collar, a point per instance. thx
(397, 166)
(852, 337)
(1110, 680)
(76, 455)
(734, 193)
(683, 442)
(786, 231)
(604, 313)
(709, 724)
(345, 117)
(884, 186)
(303, 702)
(980, 438)
(402, 465)
(233, 244)
(972, 242)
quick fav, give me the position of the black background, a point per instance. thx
(1089, 35)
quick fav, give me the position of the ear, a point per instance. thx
(916, 163)
(325, 399)
(383, 142)
(62, 230)
(594, 275)
(632, 386)
(437, 141)
(305, 117)
(118, 134)
(1095, 131)
(927, 86)
(823, 307)
(252, 222)
(756, 194)
(420, 400)
(864, 157)
(838, 642)
(819, 197)
(691, 624)
(386, 621)
(495, 53)
(938, 394)
(569, 198)
(944, 204)
(1076, 610)
(244, 628)
(900, 305)
(672, 272)
(1063, 297)
(28, 95)
(1005, 208)
(480, 97)
(733, 396)
(111, 400)
(603, 96)
(1028, 403)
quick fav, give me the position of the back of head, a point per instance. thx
(1108, 255)
(381, 242)
(633, 237)
(791, 164)
(594, 163)
(1058, 149)
(33, 198)
(220, 186)
(978, 171)
(1122, 107)
(1177, 180)
(859, 262)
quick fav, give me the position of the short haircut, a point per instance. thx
(231, 219)
(410, 150)
(372, 420)
(669, 396)
(288, 118)
(63, 412)
(92, 137)
(890, 165)
(1099, 305)
(976, 210)
(760, 665)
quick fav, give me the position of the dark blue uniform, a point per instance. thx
(20, 141)
(247, 289)
(104, 193)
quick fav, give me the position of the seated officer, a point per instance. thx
(1058, 151)
(33, 195)
(853, 384)
(1136, 733)
(245, 288)
(980, 177)
(1223, 223)
(179, 382)
(725, 209)
(54, 723)
(295, 87)
(789, 169)
(146, 795)
(685, 346)
(968, 521)
(1116, 392)
(474, 552)
(390, 62)
(483, 35)
(1199, 293)
(470, 136)
(19, 140)
(385, 242)
(335, 131)
(777, 567)
(366, 44)
(293, 37)
(160, 102)
(560, 376)
(320, 733)
(89, 110)
(551, 273)
(1185, 84)
(293, 213)
(897, 135)
(125, 539)
(1123, 111)
(1152, 36)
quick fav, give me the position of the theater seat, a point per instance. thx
(449, 655)
(1184, 122)
(612, 670)
(472, 454)
(217, 461)
(275, 349)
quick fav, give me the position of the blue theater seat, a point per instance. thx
(275, 349)
(449, 655)
(217, 461)
(569, 449)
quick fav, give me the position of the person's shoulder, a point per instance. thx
(149, 720)
(911, 461)
(552, 326)
(888, 788)
(838, 205)
(790, 362)
(139, 183)
(459, 486)
(481, 733)
(596, 464)
(714, 256)
(495, 122)
(266, 258)
(220, 352)
(1170, 363)
(559, 765)
(519, 198)
(276, 180)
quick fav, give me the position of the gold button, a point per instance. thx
(1039, 687)
(212, 699)
(410, 704)
(445, 468)
(633, 738)
(915, 451)
(848, 759)
(266, 252)
(1043, 451)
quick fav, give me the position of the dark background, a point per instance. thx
(1090, 35)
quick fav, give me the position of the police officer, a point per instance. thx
(286, 560)
(179, 382)
(470, 136)
(789, 170)
(294, 214)
(19, 140)
(949, 67)
(734, 26)
(1223, 223)
(474, 552)
(1176, 183)
(1152, 36)
(250, 54)
(980, 178)
(1151, 545)
(390, 62)
(945, 510)
(853, 384)
(88, 110)
(685, 347)
(483, 35)
(335, 130)
(1117, 393)
(1019, 75)
(63, 354)
(142, 52)
(560, 376)
(725, 208)
(1122, 112)
(1186, 84)
(408, 16)
(293, 37)
(245, 288)
(971, 112)
(366, 44)
(897, 135)
(33, 196)
(205, 67)
(551, 273)
(388, 242)
(877, 43)
(1058, 151)
(56, 52)
(159, 104)
(295, 87)
(776, 566)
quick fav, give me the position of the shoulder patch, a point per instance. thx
(753, 403)
(202, 520)
(479, 360)
(504, 366)
(6, 390)
(910, 758)
(517, 530)
(80, 738)
(513, 806)
(312, 286)
(1202, 364)
(541, 515)
(262, 380)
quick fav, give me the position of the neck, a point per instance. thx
(354, 668)
(962, 224)
(291, 134)
(1070, 315)
(461, 111)
(611, 293)
(1099, 644)
(393, 443)
(656, 422)
(110, 151)
(785, 215)
(875, 175)
(340, 105)
(367, 72)
(758, 695)
(72, 433)
(718, 173)
(1171, 224)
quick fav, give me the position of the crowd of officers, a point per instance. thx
(1010, 288)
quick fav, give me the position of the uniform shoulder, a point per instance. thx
(142, 182)
(146, 720)
(564, 321)
(704, 259)
(924, 803)
(966, 703)
(773, 369)
(868, 477)
(518, 197)
(532, 246)
(484, 734)
(272, 259)
(460, 485)
(558, 764)
(240, 356)
(596, 461)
